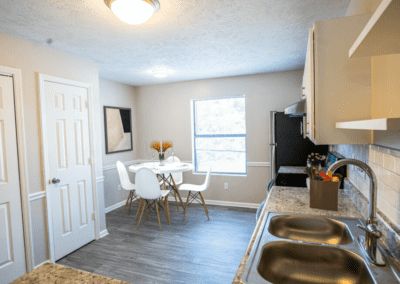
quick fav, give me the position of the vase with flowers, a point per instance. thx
(161, 147)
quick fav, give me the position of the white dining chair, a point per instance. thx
(177, 177)
(126, 184)
(148, 188)
(197, 189)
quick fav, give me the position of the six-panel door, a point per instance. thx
(67, 131)
(12, 254)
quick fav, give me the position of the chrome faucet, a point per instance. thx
(369, 244)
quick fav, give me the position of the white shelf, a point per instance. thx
(382, 32)
(371, 124)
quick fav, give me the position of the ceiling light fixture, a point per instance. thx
(133, 12)
(160, 73)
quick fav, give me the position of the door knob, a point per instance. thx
(54, 181)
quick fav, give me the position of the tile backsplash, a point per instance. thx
(385, 162)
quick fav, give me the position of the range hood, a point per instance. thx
(297, 109)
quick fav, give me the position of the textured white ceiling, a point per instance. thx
(198, 39)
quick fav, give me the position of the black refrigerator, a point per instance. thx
(290, 149)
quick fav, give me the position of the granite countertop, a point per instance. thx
(294, 200)
(292, 170)
(55, 273)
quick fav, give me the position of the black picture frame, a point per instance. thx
(126, 122)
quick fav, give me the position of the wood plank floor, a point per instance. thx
(192, 251)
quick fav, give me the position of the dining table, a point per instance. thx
(164, 173)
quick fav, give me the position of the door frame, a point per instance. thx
(22, 161)
(45, 154)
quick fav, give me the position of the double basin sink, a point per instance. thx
(300, 249)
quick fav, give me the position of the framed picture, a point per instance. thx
(118, 129)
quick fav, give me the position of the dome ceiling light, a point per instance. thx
(133, 12)
(160, 73)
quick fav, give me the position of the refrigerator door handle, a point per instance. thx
(273, 144)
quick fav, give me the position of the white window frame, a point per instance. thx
(192, 117)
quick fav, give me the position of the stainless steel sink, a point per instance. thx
(306, 249)
(310, 229)
(298, 263)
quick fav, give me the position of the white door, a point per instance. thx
(68, 152)
(12, 254)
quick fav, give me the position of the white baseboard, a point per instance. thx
(115, 206)
(103, 233)
(36, 266)
(225, 203)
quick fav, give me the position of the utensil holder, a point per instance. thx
(324, 195)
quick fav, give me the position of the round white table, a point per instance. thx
(169, 168)
(164, 172)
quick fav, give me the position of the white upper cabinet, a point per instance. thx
(337, 88)
(381, 35)
(308, 87)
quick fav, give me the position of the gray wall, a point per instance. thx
(33, 58)
(118, 95)
(164, 112)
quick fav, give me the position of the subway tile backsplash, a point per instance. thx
(385, 163)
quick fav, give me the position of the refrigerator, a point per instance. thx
(288, 148)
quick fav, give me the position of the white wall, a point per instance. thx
(32, 59)
(164, 112)
(117, 95)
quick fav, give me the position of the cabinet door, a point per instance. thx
(342, 85)
(309, 86)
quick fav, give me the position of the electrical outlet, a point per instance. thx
(119, 187)
(361, 172)
(226, 185)
(352, 167)
(358, 170)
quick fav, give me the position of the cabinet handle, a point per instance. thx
(301, 128)
(305, 127)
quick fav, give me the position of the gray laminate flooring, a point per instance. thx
(192, 251)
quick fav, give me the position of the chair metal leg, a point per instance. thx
(148, 210)
(140, 205)
(169, 217)
(204, 205)
(140, 216)
(130, 193)
(158, 216)
(177, 191)
(186, 206)
(176, 200)
(165, 212)
(131, 201)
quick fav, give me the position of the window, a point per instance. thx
(219, 135)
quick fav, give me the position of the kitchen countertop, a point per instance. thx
(292, 170)
(55, 273)
(294, 200)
